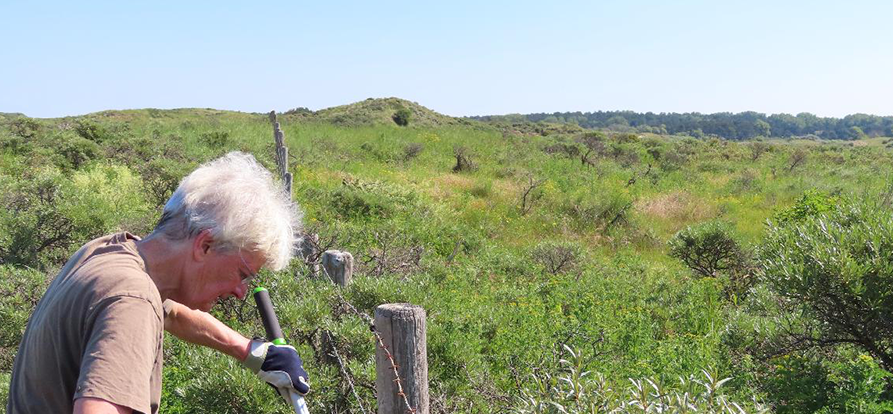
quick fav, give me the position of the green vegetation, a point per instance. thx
(740, 126)
(402, 116)
(540, 251)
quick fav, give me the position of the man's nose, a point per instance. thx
(241, 290)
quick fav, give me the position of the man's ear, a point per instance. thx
(201, 245)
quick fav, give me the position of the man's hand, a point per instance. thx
(278, 365)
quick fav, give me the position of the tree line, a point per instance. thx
(733, 126)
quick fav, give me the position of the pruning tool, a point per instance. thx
(274, 335)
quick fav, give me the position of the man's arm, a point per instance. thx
(89, 405)
(203, 329)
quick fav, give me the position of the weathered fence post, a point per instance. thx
(402, 330)
(339, 266)
(281, 153)
(308, 246)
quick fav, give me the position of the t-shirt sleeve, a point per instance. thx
(168, 305)
(120, 353)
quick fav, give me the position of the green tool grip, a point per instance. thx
(268, 316)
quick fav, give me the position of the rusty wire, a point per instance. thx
(387, 352)
(371, 322)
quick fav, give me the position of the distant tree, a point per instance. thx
(732, 126)
(855, 132)
(762, 128)
(617, 122)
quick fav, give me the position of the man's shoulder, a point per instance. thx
(112, 267)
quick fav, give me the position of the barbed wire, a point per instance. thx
(394, 366)
(344, 370)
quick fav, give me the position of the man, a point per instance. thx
(94, 342)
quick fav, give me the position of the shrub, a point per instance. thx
(826, 383)
(836, 269)
(93, 131)
(402, 117)
(707, 249)
(463, 160)
(105, 199)
(412, 150)
(370, 199)
(569, 150)
(557, 257)
(299, 111)
(216, 139)
(77, 150)
(161, 177)
(351, 202)
(575, 390)
(610, 210)
(45, 215)
(32, 225)
(20, 291)
(811, 204)
(26, 128)
(140, 149)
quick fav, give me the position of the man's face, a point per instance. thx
(223, 274)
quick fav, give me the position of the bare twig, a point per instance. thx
(526, 198)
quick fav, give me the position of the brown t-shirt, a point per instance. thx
(97, 332)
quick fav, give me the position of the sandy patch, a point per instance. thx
(677, 206)
(443, 186)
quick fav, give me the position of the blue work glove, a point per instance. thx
(278, 365)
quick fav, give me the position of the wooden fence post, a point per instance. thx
(281, 154)
(339, 266)
(402, 330)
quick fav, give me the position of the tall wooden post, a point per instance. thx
(402, 330)
(281, 153)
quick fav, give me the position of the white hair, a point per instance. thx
(239, 202)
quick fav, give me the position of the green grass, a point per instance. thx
(495, 315)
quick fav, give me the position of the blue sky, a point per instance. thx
(457, 57)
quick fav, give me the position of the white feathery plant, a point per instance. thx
(577, 391)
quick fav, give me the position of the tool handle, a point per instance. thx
(297, 402)
(268, 316)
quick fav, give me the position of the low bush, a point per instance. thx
(575, 390)
(34, 230)
(707, 249)
(26, 128)
(464, 163)
(92, 131)
(557, 256)
(411, 151)
(836, 269)
(402, 116)
(370, 199)
(216, 139)
(20, 291)
(77, 150)
(811, 204)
